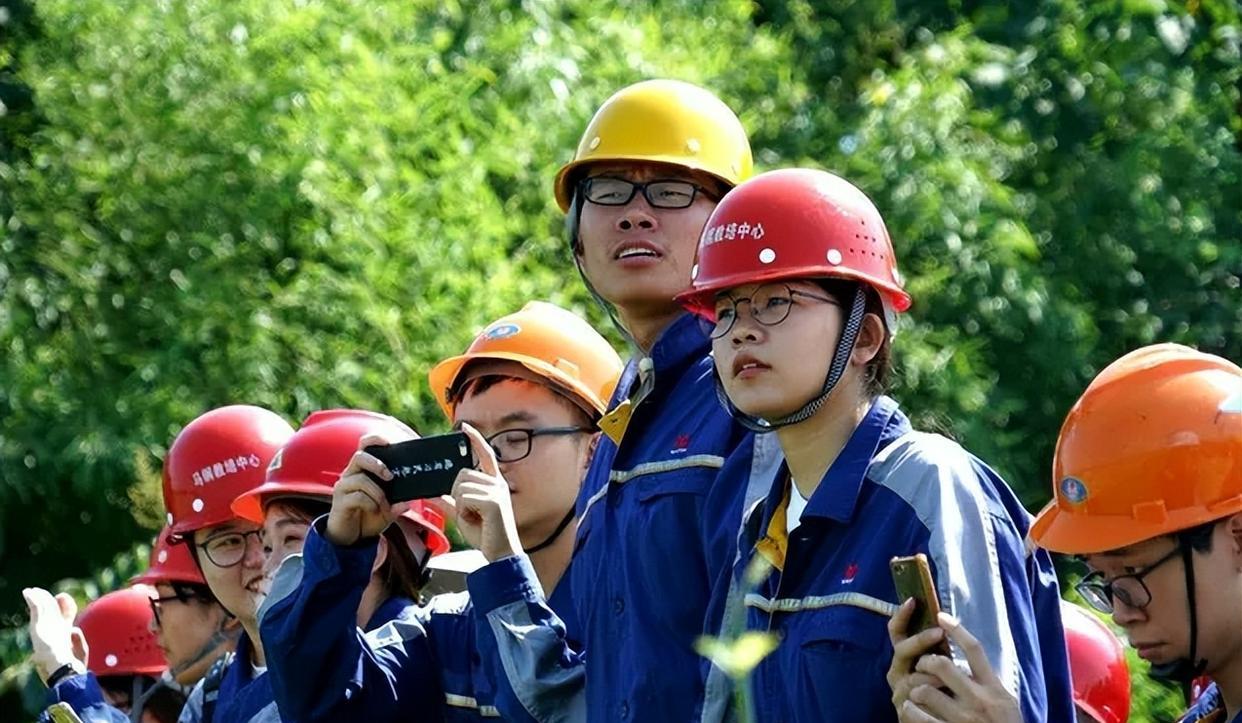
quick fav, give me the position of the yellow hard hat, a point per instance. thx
(662, 121)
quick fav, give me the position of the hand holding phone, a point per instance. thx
(913, 579)
(421, 468)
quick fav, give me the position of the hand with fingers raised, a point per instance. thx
(55, 639)
(360, 509)
(930, 688)
(484, 509)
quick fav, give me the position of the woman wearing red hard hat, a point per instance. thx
(797, 280)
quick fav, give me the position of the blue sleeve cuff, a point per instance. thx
(323, 560)
(503, 582)
(83, 694)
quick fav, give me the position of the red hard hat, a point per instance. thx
(117, 628)
(170, 562)
(788, 224)
(218, 456)
(310, 463)
(1097, 666)
(430, 519)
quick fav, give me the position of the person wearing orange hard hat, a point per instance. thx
(193, 629)
(1148, 492)
(652, 163)
(797, 283)
(527, 393)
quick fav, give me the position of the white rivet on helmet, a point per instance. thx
(834, 257)
(692, 145)
(767, 256)
(197, 505)
(694, 271)
(170, 519)
(110, 661)
(163, 556)
(595, 143)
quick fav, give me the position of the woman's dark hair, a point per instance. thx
(879, 370)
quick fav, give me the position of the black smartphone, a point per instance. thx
(422, 468)
(913, 579)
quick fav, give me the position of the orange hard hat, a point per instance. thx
(1153, 446)
(170, 562)
(117, 628)
(1097, 666)
(553, 344)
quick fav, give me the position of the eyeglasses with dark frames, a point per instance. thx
(229, 549)
(769, 305)
(512, 445)
(1129, 589)
(664, 193)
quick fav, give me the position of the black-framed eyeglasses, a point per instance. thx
(769, 305)
(1129, 589)
(156, 602)
(512, 445)
(664, 193)
(229, 549)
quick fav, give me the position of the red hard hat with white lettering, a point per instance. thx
(117, 628)
(310, 464)
(217, 457)
(794, 223)
(1097, 666)
(170, 562)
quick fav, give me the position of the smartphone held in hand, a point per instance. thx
(422, 468)
(913, 579)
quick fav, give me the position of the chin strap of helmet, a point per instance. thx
(1184, 670)
(840, 360)
(569, 517)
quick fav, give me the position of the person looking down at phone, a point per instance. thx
(801, 317)
(1147, 491)
(112, 639)
(526, 394)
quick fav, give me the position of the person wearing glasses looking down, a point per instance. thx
(651, 165)
(527, 392)
(801, 310)
(1147, 485)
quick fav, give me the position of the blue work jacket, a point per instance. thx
(421, 663)
(640, 578)
(828, 592)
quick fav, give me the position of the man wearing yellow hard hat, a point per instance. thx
(651, 166)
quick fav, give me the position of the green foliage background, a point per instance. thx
(304, 203)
